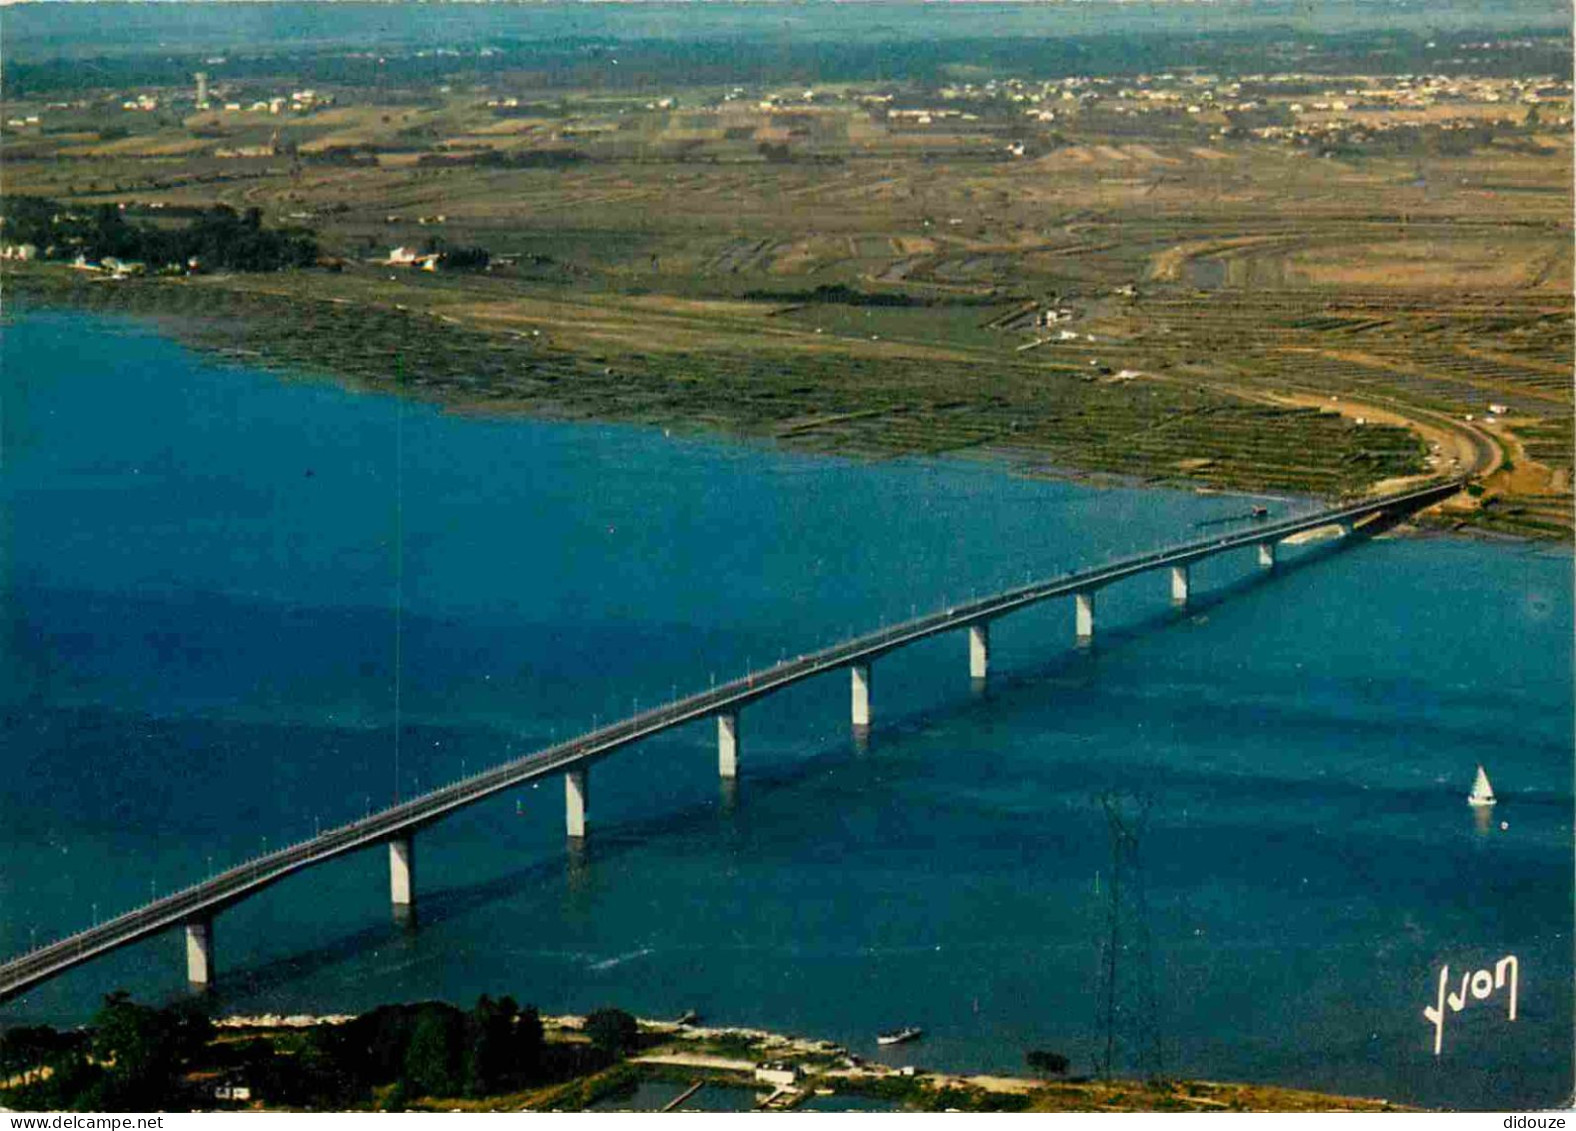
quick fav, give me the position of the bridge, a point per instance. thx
(194, 908)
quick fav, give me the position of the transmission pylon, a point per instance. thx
(1128, 1019)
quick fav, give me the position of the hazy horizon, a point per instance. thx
(45, 29)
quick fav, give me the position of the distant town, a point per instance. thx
(1298, 109)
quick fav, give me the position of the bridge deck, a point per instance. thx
(212, 895)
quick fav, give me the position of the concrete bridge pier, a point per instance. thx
(1179, 586)
(578, 873)
(1266, 555)
(728, 745)
(576, 799)
(402, 874)
(861, 694)
(979, 650)
(1084, 616)
(199, 953)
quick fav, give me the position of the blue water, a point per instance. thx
(219, 585)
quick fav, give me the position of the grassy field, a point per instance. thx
(1242, 312)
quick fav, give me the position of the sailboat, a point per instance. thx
(1482, 793)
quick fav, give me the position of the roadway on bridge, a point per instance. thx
(202, 900)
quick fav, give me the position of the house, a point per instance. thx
(410, 257)
(777, 1073)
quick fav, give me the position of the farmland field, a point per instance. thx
(1315, 283)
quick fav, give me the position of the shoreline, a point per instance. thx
(885, 409)
(1012, 459)
(786, 1070)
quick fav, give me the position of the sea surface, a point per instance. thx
(237, 605)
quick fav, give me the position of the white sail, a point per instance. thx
(1482, 793)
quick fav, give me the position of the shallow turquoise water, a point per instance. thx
(202, 567)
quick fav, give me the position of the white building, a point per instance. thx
(777, 1073)
(410, 257)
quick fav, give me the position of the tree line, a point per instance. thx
(135, 1057)
(217, 238)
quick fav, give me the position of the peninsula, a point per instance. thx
(501, 1057)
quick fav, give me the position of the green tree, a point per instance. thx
(504, 1046)
(1046, 1063)
(219, 236)
(25, 1047)
(612, 1030)
(489, 1032)
(465, 258)
(529, 1044)
(74, 1083)
(433, 1057)
(146, 1050)
(309, 1078)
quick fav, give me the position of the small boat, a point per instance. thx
(1261, 512)
(688, 1017)
(898, 1036)
(1482, 793)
